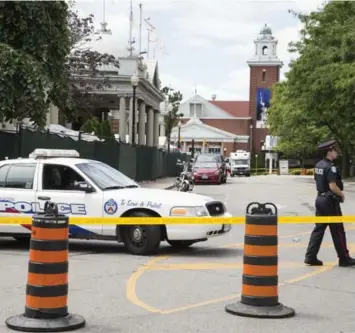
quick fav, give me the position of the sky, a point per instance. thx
(200, 44)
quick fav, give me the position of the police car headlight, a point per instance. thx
(188, 211)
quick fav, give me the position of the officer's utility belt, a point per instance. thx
(329, 195)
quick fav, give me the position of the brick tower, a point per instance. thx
(264, 73)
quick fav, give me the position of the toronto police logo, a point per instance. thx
(110, 207)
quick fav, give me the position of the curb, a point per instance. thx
(169, 187)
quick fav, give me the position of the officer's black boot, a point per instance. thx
(313, 262)
(347, 262)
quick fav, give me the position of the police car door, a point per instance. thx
(18, 182)
(56, 184)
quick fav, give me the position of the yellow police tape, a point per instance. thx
(26, 220)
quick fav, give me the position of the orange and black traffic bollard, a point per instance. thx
(47, 283)
(260, 267)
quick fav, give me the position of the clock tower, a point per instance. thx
(264, 73)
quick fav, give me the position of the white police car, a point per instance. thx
(83, 187)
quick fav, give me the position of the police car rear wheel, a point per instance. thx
(141, 239)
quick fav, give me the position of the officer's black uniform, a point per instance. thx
(328, 204)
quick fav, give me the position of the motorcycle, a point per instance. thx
(185, 182)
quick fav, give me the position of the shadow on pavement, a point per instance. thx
(77, 248)
(210, 252)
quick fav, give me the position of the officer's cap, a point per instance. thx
(329, 145)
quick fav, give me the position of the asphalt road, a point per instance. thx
(187, 291)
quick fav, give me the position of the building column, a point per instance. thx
(184, 147)
(150, 134)
(115, 121)
(54, 114)
(122, 115)
(156, 129)
(162, 125)
(141, 124)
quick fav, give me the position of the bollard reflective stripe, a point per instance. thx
(46, 307)
(259, 297)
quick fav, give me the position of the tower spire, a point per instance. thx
(265, 49)
(104, 23)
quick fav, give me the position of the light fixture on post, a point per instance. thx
(179, 129)
(170, 110)
(134, 83)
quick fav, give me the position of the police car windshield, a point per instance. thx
(106, 177)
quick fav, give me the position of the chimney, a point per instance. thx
(214, 97)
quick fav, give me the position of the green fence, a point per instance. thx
(140, 163)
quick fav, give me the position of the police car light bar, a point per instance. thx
(47, 153)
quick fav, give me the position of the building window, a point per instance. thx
(265, 50)
(214, 150)
(196, 107)
(263, 76)
(127, 100)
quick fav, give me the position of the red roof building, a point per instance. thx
(226, 126)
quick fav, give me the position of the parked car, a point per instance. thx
(209, 172)
(213, 161)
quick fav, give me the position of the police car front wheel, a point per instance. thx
(141, 239)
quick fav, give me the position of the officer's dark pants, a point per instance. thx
(328, 207)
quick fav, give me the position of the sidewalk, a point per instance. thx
(162, 183)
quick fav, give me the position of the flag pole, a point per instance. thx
(130, 29)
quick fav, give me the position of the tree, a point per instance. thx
(103, 129)
(320, 83)
(299, 135)
(83, 82)
(171, 120)
(35, 42)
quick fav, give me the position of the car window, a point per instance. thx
(105, 176)
(20, 176)
(59, 177)
(3, 173)
(207, 158)
(206, 165)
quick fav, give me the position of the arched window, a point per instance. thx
(265, 50)
(263, 76)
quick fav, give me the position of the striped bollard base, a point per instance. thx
(260, 297)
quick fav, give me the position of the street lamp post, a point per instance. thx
(134, 83)
(170, 109)
(251, 139)
(179, 129)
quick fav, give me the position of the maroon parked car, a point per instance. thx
(209, 169)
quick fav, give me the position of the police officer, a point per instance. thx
(330, 194)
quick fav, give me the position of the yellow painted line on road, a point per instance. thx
(326, 267)
(132, 283)
(212, 266)
(200, 304)
(133, 280)
(292, 245)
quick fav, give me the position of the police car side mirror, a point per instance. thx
(84, 186)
